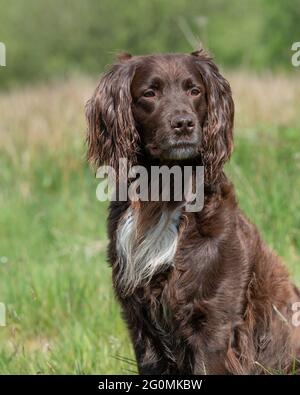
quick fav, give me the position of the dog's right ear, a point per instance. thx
(111, 128)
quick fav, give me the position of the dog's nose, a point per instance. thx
(183, 123)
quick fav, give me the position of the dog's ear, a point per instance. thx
(124, 57)
(111, 128)
(217, 140)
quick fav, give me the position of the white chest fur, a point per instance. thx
(141, 256)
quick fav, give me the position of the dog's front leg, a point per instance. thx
(149, 360)
(149, 350)
(205, 362)
(150, 356)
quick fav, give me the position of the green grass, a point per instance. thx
(61, 313)
(54, 278)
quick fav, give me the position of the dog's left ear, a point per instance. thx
(111, 131)
(217, 140)
(124, 57)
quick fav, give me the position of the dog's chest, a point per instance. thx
(141, 256)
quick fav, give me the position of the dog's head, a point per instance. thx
(170, 108)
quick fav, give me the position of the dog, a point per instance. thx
(201, 292)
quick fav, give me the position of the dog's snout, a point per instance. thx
(183, 123)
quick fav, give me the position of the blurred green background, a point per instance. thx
(54, 279)
(52, 38)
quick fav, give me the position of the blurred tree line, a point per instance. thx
(50, 38)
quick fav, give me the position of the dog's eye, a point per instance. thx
(195, 92)
(149, 93)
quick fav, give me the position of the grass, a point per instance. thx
(54, 279)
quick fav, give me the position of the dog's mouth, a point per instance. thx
(176, 151)
(182, 151)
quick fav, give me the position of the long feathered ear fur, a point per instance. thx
(111, 131)
(217, 140)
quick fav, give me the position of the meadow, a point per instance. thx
(54, 279)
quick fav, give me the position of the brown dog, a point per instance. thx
(200, 291)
